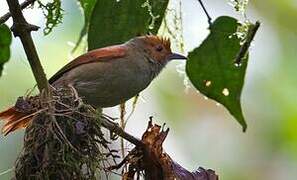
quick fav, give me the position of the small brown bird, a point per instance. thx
(107, 76)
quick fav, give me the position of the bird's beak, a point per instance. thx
(175, 56)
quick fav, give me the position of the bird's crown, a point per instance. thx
(158, 40)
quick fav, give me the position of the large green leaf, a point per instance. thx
(116, 21)
(211, 67)
(87, 8)
(5, 41)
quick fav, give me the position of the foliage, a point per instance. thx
(212, 70)
(114, 22)
(87, 9)
(5, 40)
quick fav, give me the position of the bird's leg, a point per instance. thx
(122, 125)
(133, 108)
(109, 117)
(122, 116)
(112, 135)
(99, 114)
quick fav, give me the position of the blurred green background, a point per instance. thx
(202, 133)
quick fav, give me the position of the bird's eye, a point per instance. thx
(159, 48)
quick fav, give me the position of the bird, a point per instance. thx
(107, 76)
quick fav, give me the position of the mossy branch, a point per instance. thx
(113, 127)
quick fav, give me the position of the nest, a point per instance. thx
(65, 142)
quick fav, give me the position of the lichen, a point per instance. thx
(53, 13)
(239, 5)
(149, 7)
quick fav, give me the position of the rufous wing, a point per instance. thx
(102, 54)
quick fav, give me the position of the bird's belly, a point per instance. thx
(110, 88)
(110, 94)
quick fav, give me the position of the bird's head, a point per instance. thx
(158, 49)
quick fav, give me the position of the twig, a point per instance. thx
(244, 48)
(206, 13)
(64, 136)
(123, 125)
(133, 108)
(119, 131)
(22, 29)
(7, 171)
(25, 4)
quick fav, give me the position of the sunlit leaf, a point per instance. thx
(211, 67)
(5, 41)
(116, 21)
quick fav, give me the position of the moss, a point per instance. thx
(67, 145)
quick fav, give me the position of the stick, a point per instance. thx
(244, 48)
(22, 29)
(25, 4)
(206, 13)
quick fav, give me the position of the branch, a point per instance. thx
(6, 16)
(244, 48)
(113, 127)
(22, 29)
(206, 13)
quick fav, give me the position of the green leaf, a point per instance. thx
(116, 21)
(87, 8)
(5, 41)
(211, 67)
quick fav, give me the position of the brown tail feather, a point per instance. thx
(14, 120)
